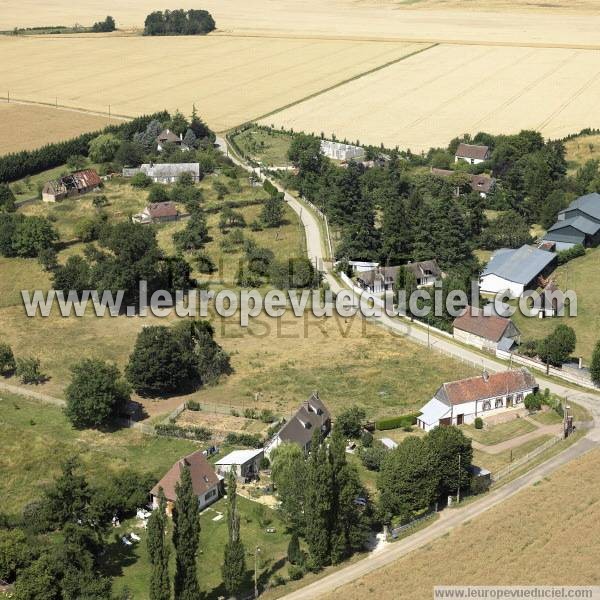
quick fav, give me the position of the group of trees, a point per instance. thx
(104, 26)
(54, 550)
(322, 499)
(170, 359)
(26, 368)
(125, 254)
(25, 237)
(555, 348)
(422, 471)
(179, 22)
(421, 217)
(29, 162)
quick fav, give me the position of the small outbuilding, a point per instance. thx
(158, 212)
(246, 464)
(74, 184)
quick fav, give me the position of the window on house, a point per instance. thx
(499, 402)
(487, 405)
(519, 398)
(210, 494)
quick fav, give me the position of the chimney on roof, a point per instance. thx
(181, 136)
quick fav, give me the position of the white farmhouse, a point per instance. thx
(463, 401)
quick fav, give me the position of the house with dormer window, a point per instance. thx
(313, 414)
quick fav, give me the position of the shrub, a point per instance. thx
(366, 439)
(478, 423)
(243, 439)
(200, 434)
(397, 422)
(566, 255)
(205, 263)
(265, 463)
(234, 413)
(295, 572)
(350, 421)
(141, 180)
(533, 401)
(28, 370)
(372, 457)
(250, 413)
(7, 360)
(193, 405)
(266, 415)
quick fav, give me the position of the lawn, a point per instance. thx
(269, 147)
(494, 462)
(583, 277)
(500, 432)
(36, 438)
(547, 417)
(130, 565)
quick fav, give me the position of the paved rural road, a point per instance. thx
(451, 518)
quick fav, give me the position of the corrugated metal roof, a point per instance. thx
(579, 223)
(170, 169)
(433, 411)
(588, 204)
(239, 457)
(519, 266)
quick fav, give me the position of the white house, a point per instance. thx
(340, 151)
(514, 271)
(206, 483)
(463, 401)
(472, 153)
(165, 172)
(313, 414)
(246, 463)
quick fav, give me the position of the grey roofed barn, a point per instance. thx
(520, 266)
(588, 204)
(579, 223)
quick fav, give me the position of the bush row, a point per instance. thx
(566, 255)
(29, 162)
(200, 434)
(244, 439)
(397, 422)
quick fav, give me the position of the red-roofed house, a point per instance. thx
(205, 482)
(486, 332)
(159, 212)
(463, 401)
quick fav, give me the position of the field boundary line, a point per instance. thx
(87, 111)
(334, 86)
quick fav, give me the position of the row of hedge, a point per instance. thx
(397, 422)
(244, 439)
(199, 434)
(30, 162)
(564, 256)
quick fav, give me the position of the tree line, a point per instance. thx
(179, 22)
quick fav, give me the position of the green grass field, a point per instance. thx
(130, 566)
(547, 417)
(494, 462)
(270, 148)
(583, 277)
(501, 432)
(36, 438)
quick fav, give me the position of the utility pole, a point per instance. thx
(256, 553)
(458, 493)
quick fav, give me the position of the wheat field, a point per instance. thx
(546, 535)
(229, 79)
(449, 90)
(514, 21)
(28, 126)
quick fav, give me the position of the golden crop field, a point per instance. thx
(449, 90)
(229, 79)
(26, 126)
(523, 21)
(546, 535)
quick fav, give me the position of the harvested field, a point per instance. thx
(229, 79)
(510, 544)
(446, 91)
(523, 21)
(26, 126)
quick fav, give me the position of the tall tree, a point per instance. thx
(289, 474)
(595, 365)
(186, 530)
(319, 503)
(159, 551)
(234, 561)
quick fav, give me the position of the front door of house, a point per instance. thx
(460, 419)
(509, 401)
